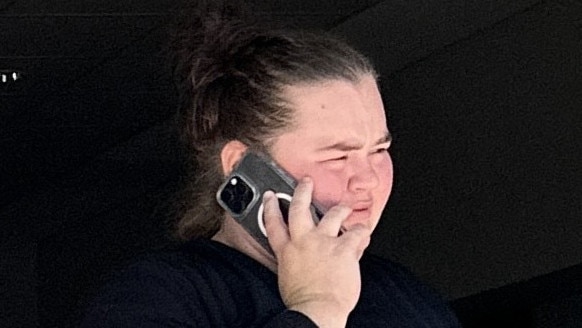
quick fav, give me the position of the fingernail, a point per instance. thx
(268, 195)
(346, 208)
(307, 180)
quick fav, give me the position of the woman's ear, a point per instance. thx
(231, 154)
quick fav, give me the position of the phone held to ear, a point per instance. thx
(241, 194)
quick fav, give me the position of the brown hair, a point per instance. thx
(230, 75)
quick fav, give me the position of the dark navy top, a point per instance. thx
(208, 284)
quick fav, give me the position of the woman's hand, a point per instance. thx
(318, 269)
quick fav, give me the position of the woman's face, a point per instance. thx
(341, 141)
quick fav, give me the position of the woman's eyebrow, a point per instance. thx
(387, 138)
(345, 145)
(348, 145)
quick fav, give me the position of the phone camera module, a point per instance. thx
(237, 195)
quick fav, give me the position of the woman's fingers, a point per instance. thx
(332, 221)
(277, 232)
(300, 220)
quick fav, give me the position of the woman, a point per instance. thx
(312, 104)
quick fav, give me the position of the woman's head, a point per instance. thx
(231, 79)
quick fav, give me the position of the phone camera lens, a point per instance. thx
(237, 195)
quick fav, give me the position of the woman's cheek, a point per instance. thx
(328, 187)
(386, 173)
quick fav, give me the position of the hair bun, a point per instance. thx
(209, 34)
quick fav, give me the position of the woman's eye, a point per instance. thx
(381, 150)
(339, 158)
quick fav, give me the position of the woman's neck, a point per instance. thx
(235, 236)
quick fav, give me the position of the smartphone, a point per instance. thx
(241, 194)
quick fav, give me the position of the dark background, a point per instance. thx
(484, 99)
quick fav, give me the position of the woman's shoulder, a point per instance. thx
(174, 284)
(198, 259)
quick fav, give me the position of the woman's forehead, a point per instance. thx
(337, 109)
(330, 99)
